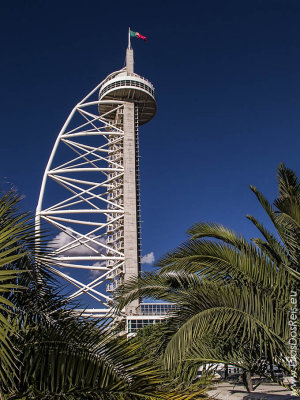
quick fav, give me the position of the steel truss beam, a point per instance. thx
(87, 219)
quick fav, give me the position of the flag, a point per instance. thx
(137, 35)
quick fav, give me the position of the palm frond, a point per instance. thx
(219, 261)
(288, 185)
(250, 314)
(16, 236)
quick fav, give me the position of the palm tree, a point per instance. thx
(63, 356)
(232, 295)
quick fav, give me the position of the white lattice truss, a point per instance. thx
(91, 212)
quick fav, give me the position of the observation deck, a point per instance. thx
(125, 85)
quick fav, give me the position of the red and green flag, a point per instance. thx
(137, 35)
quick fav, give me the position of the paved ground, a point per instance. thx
(265, 391)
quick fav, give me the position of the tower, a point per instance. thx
(90, 189)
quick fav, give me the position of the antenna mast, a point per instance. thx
(129, 41)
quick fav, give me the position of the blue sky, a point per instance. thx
(228, 94)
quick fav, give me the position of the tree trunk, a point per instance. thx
(226, 371)
(248, 381)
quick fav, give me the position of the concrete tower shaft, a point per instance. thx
(138, 96)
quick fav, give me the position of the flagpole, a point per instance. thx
(129, 42)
